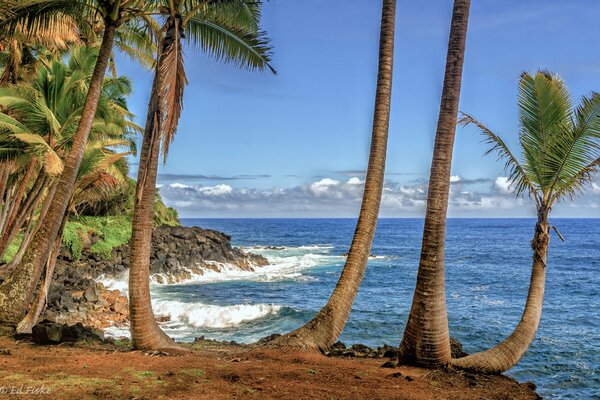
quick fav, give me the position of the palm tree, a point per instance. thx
(228, 30)
(560, 147)
(324, 329)
(426, 339)
(16, 291)
(99, 176)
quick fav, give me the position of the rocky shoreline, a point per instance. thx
(179, 254)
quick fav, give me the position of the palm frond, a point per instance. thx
(516, 173)
(172, 81)
(229, 43)
(544, 108)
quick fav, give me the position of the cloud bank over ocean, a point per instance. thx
(329, 197)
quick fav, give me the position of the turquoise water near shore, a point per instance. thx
(488, 262)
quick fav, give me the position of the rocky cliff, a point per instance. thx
(178, 254)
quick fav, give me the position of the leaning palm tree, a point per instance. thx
(324, 329)
(426, 339)
(560, 147)
(227, 30)
(60, 116)
(17, 290)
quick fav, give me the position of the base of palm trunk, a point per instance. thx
(153, 338)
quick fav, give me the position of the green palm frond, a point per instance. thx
(560, 144)
(138, 42)
(229, 43)
(544, 106)
(53, 164)
(576, 151)
(517, 176)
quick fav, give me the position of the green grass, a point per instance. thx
(12, 249)
(112, 231)
(192, 372)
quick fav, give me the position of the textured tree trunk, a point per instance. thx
(17, 290)
(31, 201)
(15, 207)
(508, 353)
(145, 332)
(426, 339)
(33, 226)
(323, 330)
(41, 300)
(8, 203)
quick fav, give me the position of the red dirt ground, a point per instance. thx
(216, 371)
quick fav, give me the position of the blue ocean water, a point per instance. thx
(488, 263)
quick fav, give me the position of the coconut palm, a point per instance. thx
(426, 339)
(228, 31)
(560, 146)
(58, 117)
(100, 174)
(324, 329)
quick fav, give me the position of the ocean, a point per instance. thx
(488, 264)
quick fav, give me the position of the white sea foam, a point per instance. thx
(119, 283)
(117, 331)
(201, 315)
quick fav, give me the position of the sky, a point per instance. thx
(295, 144)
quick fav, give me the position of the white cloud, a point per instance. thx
(218, 190)
(330, 197)
(179, 185)
(502, 185)
(455, 178)
(355, 181)
(321, 188)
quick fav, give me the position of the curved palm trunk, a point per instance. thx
(41, 299)
(426, 339)
(17, 290)
(145, 332)
(323, 330)
(509, 352)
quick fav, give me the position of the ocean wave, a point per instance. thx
(120, 283)
(199, 315)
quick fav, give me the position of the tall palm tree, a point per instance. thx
(324, 329)
(17, 290)
(560, 147)
(426, 339)
(227, 30)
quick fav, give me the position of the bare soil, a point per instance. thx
(218, 371)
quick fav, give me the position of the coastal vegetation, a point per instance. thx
(67, 137)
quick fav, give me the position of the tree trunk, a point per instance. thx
(41, 300)
(145, 332)
(508, 353)
(31, 201)
(323, 330)
(13, 212)
(17, 290)
(426, 339)
(33, 226)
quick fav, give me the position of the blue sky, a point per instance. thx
(256, 145)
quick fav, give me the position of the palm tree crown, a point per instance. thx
(560, 143)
